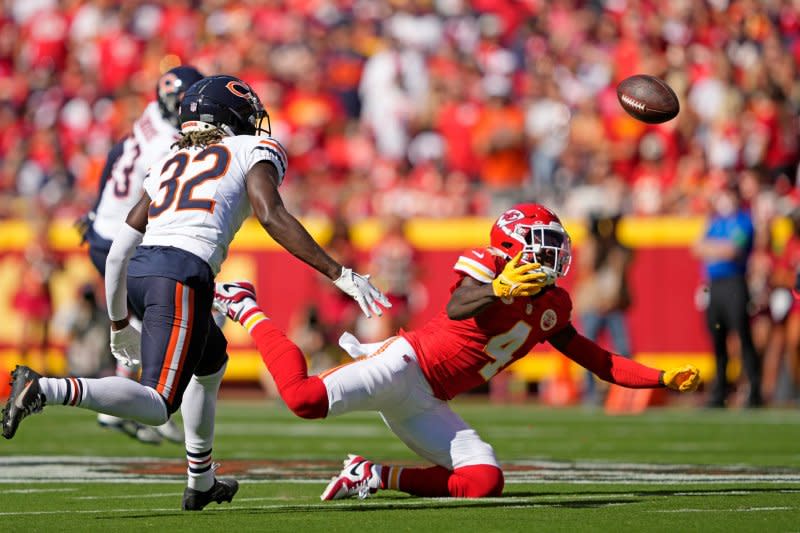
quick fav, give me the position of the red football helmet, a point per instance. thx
(538, 234)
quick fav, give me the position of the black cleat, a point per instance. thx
(26, 399)
(223, 491)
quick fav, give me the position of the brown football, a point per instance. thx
(648, 99)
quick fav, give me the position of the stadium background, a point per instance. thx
(431, 111)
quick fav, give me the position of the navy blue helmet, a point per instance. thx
(225, 102)
(171, 86)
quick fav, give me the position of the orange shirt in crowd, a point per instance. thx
(499, 142)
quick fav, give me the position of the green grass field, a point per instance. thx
(566, 470)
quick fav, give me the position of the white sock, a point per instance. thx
(112, 395)
(198, 410)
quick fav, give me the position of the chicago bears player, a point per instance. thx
(503, 302)
(194, 201)
(151, 138)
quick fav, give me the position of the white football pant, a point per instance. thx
(387, 378)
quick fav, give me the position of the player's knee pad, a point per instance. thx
(307, 399)
(477, 481)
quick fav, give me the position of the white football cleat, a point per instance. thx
(230, 296)
(359, 477)
(148, 434)
(171, 431)
(140, 432)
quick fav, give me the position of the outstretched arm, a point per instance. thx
(607, 366)
(281, 225)
(262, 188)
(619, 370)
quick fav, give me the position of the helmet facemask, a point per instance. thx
(547, 245)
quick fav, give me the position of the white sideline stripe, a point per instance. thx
(730, 492)
(732, 510)
(161, 480)
(126, 496)
(165, 495)
(396, 504)
(300, 507)
(87, 469)
(33, 491)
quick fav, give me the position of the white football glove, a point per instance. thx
(362, 291)
(126, 345)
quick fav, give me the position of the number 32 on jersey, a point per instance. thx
(183, 173)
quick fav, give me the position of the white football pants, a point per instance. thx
(386, 377)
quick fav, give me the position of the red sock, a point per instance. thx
(474, 481)
(306, 396)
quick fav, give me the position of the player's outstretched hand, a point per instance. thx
(362, 291)
(126, 345)
(683, 378)
(518, 279)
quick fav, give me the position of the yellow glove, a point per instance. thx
(684, 378)
(519, 280)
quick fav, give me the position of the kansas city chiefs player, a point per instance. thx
(504, 301)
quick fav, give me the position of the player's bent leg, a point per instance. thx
(474, 481)
(466, 465)
(198, 410)
(198, 407)
(366, 384)
(113, 395)
(383, 378)
(304, 395)
(183, 358)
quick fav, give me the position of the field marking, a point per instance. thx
(732, 510)
(730, 492)
(146, 470)
(126, 496)
(34, 491)
(513, 502)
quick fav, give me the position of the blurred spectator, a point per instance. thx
(770, 303)
(311, 336)
(782, 374)
(499, 141)
(602, 293)
(33, 300)
(84, 327)
(547, 129)
(393, 265)
(725, 250)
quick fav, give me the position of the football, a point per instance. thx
(648, 99)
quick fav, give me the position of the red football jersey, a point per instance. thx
(458, 355)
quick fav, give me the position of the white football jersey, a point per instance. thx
(151, 140)
(199, 195)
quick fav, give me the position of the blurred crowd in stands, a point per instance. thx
(422, 107)
(435, 108)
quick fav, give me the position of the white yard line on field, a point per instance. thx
(730, 510)
(33, 491)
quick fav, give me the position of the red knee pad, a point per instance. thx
(476, 481)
